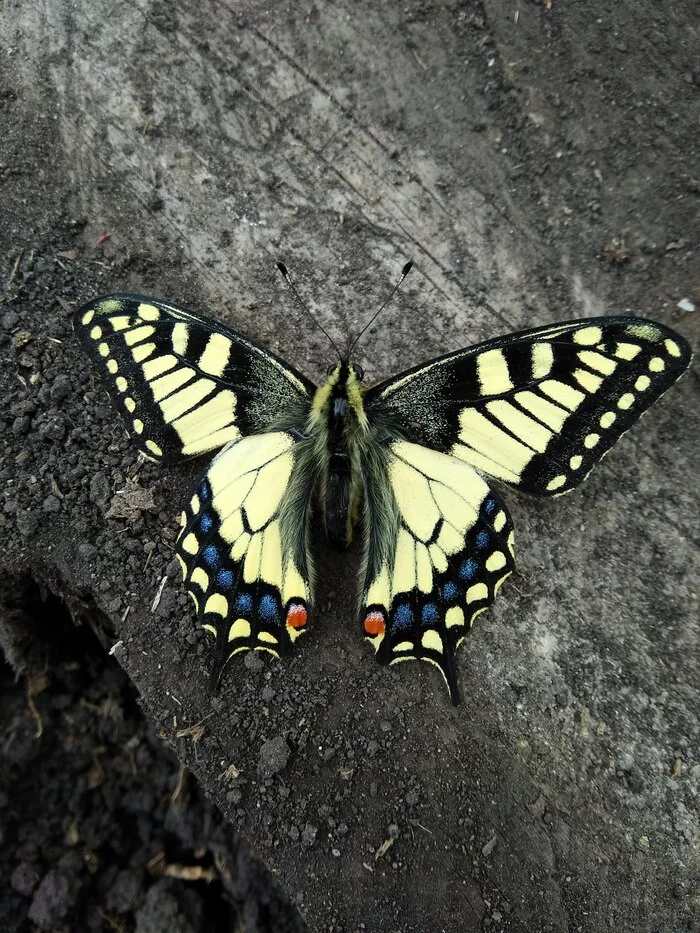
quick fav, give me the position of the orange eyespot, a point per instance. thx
(297, 616)
(374, 623)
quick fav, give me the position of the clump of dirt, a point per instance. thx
(100, 826)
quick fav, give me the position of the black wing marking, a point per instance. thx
(184, 384)
(539, 408)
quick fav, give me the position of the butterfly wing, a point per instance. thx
(539, 408)
(439, 543)
(183, 383)
(243, 547)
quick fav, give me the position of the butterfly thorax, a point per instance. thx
(338, 424)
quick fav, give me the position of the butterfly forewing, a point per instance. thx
(452, 548)
(537, 409)
(248, 578)
(184, 384)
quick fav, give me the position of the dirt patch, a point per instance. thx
(101, 826)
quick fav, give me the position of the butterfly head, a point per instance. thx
(339, 398)
(345, 372)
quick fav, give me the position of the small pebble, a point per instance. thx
(254, 662)
(20, 425)
(274, 756)
(27, 523)
(308, 836)
(51, 902)
(25, 878)
(60, 389)
(99, 488)
(9, 320)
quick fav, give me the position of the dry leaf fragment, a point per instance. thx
(156, 599)
(129, 502)
(384, 848)
(230, 774)
(616, 252)
(490, 846)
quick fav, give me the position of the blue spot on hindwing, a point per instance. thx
(210, 556)
(450, 591)
(204, 490)
(482, 539)
(205, 523)
(224, 579)
(490, 506)
(403, 617)
(468, 569)
(429, 614)
(268, 607)
(244, 603)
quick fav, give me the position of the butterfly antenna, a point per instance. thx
(404, 272)
(283, 269)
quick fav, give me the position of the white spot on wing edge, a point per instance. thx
(588, 336)
(542, 359)
(432, 641)
(148, 312)
(556, 483)
(180, 338)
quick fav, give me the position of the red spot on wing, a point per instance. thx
(297, 615)
(374, 623)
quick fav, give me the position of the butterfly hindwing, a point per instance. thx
(539, 408)
(452, 548)
(243, 560)
(184, 384)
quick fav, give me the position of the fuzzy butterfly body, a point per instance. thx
(406, 460)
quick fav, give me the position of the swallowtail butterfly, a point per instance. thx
(409, 461)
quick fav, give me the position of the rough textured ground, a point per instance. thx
(538, 162)
(101, 826)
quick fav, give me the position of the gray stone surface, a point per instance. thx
(537, 164)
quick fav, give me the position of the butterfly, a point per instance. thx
(408, 461)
